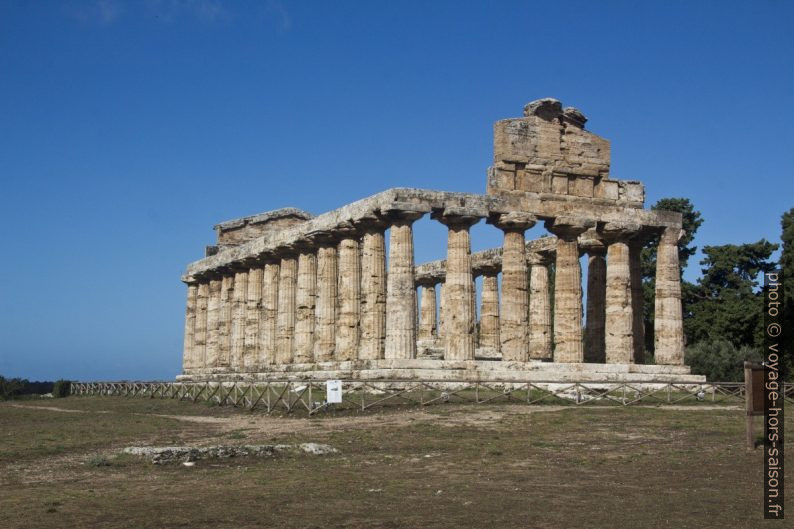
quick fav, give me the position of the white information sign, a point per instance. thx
(333, 391)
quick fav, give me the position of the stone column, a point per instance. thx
(285, 319)
(619, 334)
(428, 324)
(668, 323)
(400, 292)
(325, 309)
(225, 321)
(253, 310)
(213, 322)
(514, 314)
(200, 334)
(489, 310)
(594, 345)
(305, 298)
(188, 347)
(373, 292)
(568, 345)
(637, 299)
(349, 314)
(269, 314)
(239, 314)
(440, 298)
(459, 331)
(540, 335)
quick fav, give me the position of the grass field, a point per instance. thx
(450, 466)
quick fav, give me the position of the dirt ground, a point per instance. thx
(450, 465)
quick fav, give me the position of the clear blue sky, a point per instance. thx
(127, 129)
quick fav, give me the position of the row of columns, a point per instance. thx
(332, 298)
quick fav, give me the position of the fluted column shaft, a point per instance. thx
(239, 315)
(428, 324)
(285, 320)
(619, 337)
(325, 309)
(253, 309)
(213, 323)
(349, 315)
(668, 323)
(637, 300)
(268, 316)
(225, 322)
(400, 291)
(305, 298)
(200, 334)
(188, 347)
(540, 333)
(594, 344)
(373, 294)
(489, 312)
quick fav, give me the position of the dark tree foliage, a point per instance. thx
(726, 303)
(720, 360)
(787, 265)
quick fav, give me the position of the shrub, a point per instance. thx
(720, 360)
(11, 387)
(61, 388)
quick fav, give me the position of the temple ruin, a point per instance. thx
(286, 295)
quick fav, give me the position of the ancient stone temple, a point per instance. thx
(288, 295)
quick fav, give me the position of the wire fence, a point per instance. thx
(311, 396)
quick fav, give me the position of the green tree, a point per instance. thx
(787, 265)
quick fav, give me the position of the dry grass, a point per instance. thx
(445, 466)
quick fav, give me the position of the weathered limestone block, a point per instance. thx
(489, 311)
(269, 314)
(540, 332)
(325, 309)
(285, 320)
(200, 334)
(619, 339)
(428, 326)
(239, 314)
(594, 344)
(400, 292)
(637, 300)
(373, 293)
(213, 323)
(348, 317)
(253, 310)
(225, 322)
(459, 332)
(668, 323)
(188, 348)
(514, 314)
(305, 298)
(568, 345)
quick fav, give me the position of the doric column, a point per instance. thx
(269, 314)
(239, 314)
(325, 309)
(373, 291)
(253, 310)
(213, 323)
(668, 323)
(428, 324)
(594, 351)
(514, 314)
(489, 310)
(400, 289)
(540, 335)
(285, 319)
(200, 334)
(568, 345)
(618, 335)
(225, 321)
(188, 347)
(459, 331)
(305, 298)
(637, 299)
(349, 314)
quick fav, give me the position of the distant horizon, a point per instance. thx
(133, 128)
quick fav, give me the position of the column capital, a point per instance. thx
(427, 281)
(618, 231)
(513, 221)
(671, 235)
(569, 228)
(370, 222)
(404, 212)
(487, 270)
(454, 216)
(539, 259)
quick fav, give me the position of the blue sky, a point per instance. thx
(130, 128)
